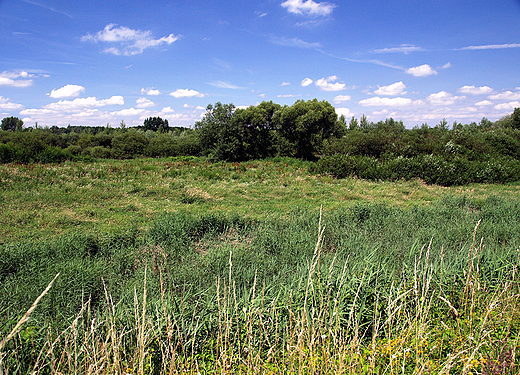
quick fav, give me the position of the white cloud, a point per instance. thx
(5, 104)
(288, 96)
(508, 95)
(306, 82)
(128, 112)
(341, 98)
(484, 103)
(225, 85)
(294, 42)
(326, 84)
(285, 84)
(391, 90)
(309, 7)
(421, 71)
(37, 111)
(67, 91)
(475, 90)
(10, 79)
(508, 106)
(130, 41)
(404, 48)
(79, 103)
(492, 46)
(144, 103)
(443, 98)
(150, 92)
(389, 102)
(186, 93)
(343, 111)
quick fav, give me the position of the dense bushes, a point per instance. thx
(433, 169)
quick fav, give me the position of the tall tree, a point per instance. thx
(220, 134)
(304, 125)
(12, 123)
(155, 124)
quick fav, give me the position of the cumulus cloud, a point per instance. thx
(484, 103)
(5, 104)
(343, 111)
(12, 79)
(288, 96)
(129, 41)
(443, 98)
(150, 92)
(508, 106)
(306, 82)
(308, 8)
(186, 93)
(341, 98)
(328, 84)
(389, 102)
(144, 103)
(67, 91)
(421, 71)
(391, 90)
(79, 103)
(475, 90)
(128, 112)
(507, 95)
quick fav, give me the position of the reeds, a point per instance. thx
(340, 319)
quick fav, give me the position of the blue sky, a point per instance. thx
(97, 62)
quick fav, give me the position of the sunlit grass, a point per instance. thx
(48, 200)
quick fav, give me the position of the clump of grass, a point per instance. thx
(336, 313)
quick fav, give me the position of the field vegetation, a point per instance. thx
(182, 265)
(266, 240)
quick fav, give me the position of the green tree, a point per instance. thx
(220, 134)
(304, 126)
(257, 127)
(12, 124)
(156, 124)
(515, 119)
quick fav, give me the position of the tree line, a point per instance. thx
(309, 130)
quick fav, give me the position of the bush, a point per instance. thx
(129, 144)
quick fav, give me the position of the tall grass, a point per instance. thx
(309, 293)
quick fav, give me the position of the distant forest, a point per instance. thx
(311, 130)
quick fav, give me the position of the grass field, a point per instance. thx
(48, 200)
(184, 266)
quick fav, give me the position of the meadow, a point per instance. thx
(182, 265)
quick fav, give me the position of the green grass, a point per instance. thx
(183, 266)
(48, 200)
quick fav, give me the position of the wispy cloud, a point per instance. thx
(144, 103)
(151, 92)
(491, 46)
(341, 98)
(52, 9)
(403, 48)
(507, 95)
(308, 8)
(294, 42)
(224, 85)
(130, 42)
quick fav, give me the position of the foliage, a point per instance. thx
(155, 124)
(12, 123)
